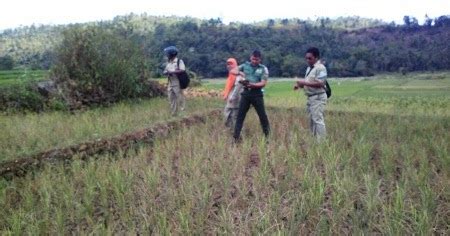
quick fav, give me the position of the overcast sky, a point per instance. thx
(14, 13)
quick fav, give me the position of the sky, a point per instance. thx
(14, 13)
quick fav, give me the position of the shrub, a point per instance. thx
(6, 63)
(21, 96)
(95, 65)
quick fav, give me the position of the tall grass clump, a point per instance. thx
(95, 65)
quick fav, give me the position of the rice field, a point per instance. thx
(383, 169)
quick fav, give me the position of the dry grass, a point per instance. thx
(381, 171)
(27, 134)
(375, 174)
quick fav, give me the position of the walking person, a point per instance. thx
(256, 76)
(232, 93)
(173, 68)
(314, 86)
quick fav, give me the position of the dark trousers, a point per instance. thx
(255, 98)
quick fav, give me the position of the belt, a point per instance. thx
(315, 94)
(252, 89)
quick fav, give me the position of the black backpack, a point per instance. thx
(183, 77)
(327, 89)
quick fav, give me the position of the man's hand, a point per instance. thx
(245, 83)
(250, 85)
(299, 84)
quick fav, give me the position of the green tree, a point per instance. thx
(6, 63)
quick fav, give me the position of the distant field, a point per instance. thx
(11, 77)
(383, 170)
(415, 94)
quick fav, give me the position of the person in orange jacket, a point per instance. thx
(232, 93)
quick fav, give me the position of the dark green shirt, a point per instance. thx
(254, 74)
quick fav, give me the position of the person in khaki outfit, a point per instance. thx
(176, 94)
(314, 86)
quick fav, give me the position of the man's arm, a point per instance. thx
(178, 70)
(258, 85)
(166, 71)
(315, 84)
(263, 81)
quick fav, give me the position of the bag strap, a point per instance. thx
(312, 67)
(326, 82)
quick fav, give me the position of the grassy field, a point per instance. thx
(415, 94)
(384, 168)
(25, 134)
(12, 77)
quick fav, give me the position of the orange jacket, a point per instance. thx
(231, 77)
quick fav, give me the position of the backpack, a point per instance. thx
(327, 89)
(183, 77)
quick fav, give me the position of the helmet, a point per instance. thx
(171, 51)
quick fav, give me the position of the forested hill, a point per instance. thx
(351, 46)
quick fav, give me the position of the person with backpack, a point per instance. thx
(256, 76)
(174, 68)
(316, 89)
(232, 93)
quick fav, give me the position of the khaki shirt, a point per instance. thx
(317, 73)
(172, 67)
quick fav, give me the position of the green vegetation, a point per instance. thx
(100, 63)
(18, 91)
(384, 168)
(351, 46)
(95, 65)
(13, 77)
(6, 63)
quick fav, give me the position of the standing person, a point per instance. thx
(314, 86)
(232, 93)
(174, 66)
(256, 76)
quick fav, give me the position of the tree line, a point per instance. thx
(350, 46)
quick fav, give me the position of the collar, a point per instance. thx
(315, 65)
(250, 64)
